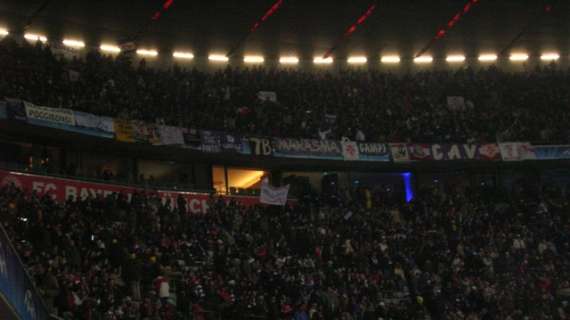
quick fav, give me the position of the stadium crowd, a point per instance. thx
(460, 254)
(358, 104)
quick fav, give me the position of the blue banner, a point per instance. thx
(16, 286)
(368, 151)
(90, 124)
(308, 149)
(216, 141)
(552, 152)
(15, 110)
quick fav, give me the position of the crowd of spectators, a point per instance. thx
(445, 255)
(360, 104)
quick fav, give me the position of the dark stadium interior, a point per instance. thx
(202, 160)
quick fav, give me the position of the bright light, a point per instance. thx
(183, 55)
(147, 52)
(218, 58)
(289, 60)
(248, 178)
(253, 59)
(455, 58)
(110, 48)
(357, 60)
(390, 59)
(35, 37)
(4, 32)
(488, 57)
(321, 60)
(77, 44)
(518, 57)
(551, 56)
(423, 59)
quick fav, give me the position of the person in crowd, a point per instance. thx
(446, 255)
(460, 106)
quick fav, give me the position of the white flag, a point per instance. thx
(273, 195)
(350, 150)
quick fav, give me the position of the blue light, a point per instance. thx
(407, 176)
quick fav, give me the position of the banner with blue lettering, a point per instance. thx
(16, 286)
(552, 152)
(308, 149)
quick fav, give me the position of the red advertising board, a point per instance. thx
(61, 189)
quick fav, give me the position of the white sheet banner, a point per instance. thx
(273, 195)
(60, 116)
(91, 121)
(517, 151)
(350, 150)
(170, 135)
(267, 96)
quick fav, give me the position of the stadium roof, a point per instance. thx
(305, 27)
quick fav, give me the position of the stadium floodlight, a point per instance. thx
(518, 57)
(72, 43)
(110, 48)
(253, 59)
(357, 60)
(390, 59)
(147, 52)
(488, 57)
(4, 32)
(289, 60)
(183, 55)
(321, 60)
(550, 56)
(423, 59)
(218, 58)
(455, 58)
(35, 37)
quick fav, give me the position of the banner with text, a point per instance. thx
(552, 152)
(448, 152)
(517, 151)
(308, 149)
(217, 141)
(61, 189)
(369, 151)
(16, 286)
(49, 117)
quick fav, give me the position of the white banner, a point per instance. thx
(273, 195)
(350, 150)
(170, 135)
(91, 121)
(267, 95)
(60, 116)
(399, 152)
(517, 151)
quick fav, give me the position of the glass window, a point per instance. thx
(219, 179)
(244, 180)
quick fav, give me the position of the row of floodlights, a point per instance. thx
(289, 60)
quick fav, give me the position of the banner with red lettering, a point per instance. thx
(62, 189)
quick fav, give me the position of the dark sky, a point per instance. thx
(303, 27)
